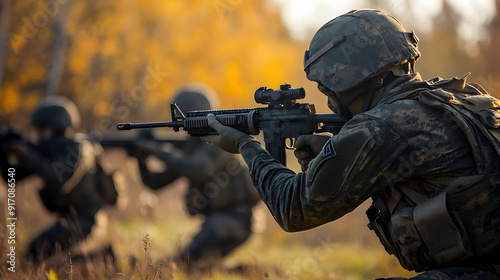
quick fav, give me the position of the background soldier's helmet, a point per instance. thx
(194, 97)
(354, 47)
(57, 112)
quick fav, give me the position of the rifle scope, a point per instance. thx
(264, 95)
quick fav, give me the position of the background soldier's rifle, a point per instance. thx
(9, 135)
(129, 142)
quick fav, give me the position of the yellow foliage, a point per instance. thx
(52, 275)
(9, 99)
(109, 47)
(34, 72)
(233, 82)
(232, 46)
(104, 86)
(101, 108)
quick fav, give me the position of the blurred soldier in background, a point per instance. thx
(75, 186)
(426, 152)
(219, 186)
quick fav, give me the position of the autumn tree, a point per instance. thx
(125, 59)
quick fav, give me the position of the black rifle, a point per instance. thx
(282, 119)
(129, 143)
(7, 136)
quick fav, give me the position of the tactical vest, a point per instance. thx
(429, 232)
(225, 186)
(89, 186)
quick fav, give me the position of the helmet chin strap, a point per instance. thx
(404, 69)
(384, 79)
(376, 83)
(346, 98)
(339, 108)
(368, 89)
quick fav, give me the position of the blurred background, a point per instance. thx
(122, 60)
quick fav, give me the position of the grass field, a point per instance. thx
(157, 222)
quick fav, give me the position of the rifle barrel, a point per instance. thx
(130, 142)
(129, 126)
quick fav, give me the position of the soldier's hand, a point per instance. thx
(308, 147)
(228, 138)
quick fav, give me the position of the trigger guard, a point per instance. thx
(289, 147)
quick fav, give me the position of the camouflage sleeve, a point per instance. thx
(351, 167)
(158, 180)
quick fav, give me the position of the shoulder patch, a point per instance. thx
(328, 172)
(329, 150)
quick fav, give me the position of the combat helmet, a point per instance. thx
(351, 49)
(195, 97)
(58, 112)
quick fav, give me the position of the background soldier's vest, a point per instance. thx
(461, 223)
(227, 185)
(88, 186)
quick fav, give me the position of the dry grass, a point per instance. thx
(151, 227)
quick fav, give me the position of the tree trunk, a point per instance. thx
(4, 19)
(59, 54)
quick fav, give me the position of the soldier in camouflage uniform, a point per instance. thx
(426, 152)
(219, 186)
(67, 165)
